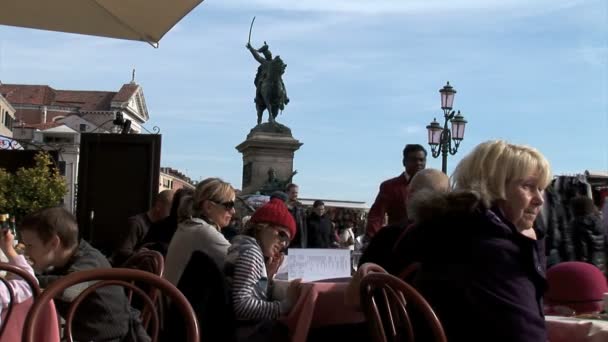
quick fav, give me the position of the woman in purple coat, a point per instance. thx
(482, 266)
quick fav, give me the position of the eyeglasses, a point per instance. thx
(229, 205)
(283, 237)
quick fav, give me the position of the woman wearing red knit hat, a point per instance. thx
(252, 261)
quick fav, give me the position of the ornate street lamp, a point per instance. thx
(440, 139)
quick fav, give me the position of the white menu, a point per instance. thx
(312, 264)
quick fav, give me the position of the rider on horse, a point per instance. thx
(270, 89)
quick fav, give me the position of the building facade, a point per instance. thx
(172, 179)
(50, 119)
(39, 104)
(7, 117)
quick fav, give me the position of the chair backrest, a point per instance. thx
(112, 277)
(149, 261)
(394, 309)
(27, 277)
(146, 260)
(409, 272)
(204, 285)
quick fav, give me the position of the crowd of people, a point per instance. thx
(478, 241)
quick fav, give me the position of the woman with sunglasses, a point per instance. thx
(212, 208)
(252, 261)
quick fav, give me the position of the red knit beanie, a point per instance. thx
(577, 285)
(275, 212)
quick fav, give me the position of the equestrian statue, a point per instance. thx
(270, 93)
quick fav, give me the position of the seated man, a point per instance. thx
(385, 249)
(139, 225)
(52, 245)
(382, 246)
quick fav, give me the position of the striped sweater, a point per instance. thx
(245, 272)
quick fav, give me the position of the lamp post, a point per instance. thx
(440, 139)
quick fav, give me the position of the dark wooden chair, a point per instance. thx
(113, 277)
(396, 312)
(409, 272)
(204, 285)
(27, 277)
(149, 261)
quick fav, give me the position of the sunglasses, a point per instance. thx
(283, 237)
(229, 205)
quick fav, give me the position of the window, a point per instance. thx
(8, 120)
(62, 168)
(83, 127)
(57, 140)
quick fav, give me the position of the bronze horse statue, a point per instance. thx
(271, 94)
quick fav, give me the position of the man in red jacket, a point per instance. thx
(392, 197)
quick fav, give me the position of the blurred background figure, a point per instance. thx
(588, 235)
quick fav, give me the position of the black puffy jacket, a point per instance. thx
(588, 238)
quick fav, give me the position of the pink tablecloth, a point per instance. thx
(47, 330)
(566, 329)
(320, 304)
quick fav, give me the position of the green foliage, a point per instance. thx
(31, 189)
(5, 181)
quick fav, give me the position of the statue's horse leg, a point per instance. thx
(259, 106)
(271, 117)
(269, 106)
(260, 110)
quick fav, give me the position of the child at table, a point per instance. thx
(21, 289)
(52, 245)
(251, 263)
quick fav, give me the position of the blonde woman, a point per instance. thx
(482, 261)
(212, 208)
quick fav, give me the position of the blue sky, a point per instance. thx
(363, 78)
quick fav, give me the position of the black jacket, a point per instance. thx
(320, 234)
(588, 237)
(204, 285)
(553, 223)
(382, 249)
(301, 238)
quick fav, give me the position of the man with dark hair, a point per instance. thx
(51, 243)
(391, 199)
(298, 213)
(320, 232)
(139, 225)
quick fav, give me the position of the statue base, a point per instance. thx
(268, 145)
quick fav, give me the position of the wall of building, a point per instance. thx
(7, 118)
(170, 182)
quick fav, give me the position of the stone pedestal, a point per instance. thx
(269, 145)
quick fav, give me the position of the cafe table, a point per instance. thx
(574, 329)
(320, 304)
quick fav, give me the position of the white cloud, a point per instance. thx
(595, 56)
(412, 129)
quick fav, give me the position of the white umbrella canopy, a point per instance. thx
(144, 20)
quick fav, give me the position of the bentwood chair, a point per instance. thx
(31, 281)
(149, 261)
(408, 273)
(100, 278)
(396, 312)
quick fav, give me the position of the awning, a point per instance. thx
(144, 20)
